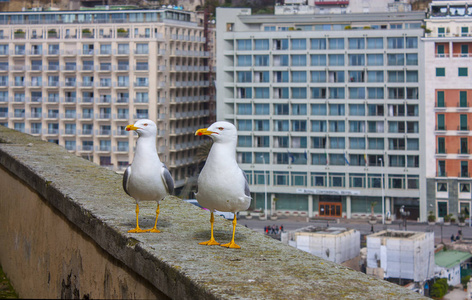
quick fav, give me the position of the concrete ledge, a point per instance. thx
(48, 184)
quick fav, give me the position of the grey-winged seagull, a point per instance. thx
(147, 178)
(222, 185)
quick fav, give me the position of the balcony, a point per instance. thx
(35, 115)
(123, 68)
(464, 174)
(104, 132)
(103, 116)
(53, 52)
(51, 115)
(86, 100)
(87, 68)
(122, 100)
(69, 131)
(52, 100)
(122, 116)
(141, 84)
(86, 132)
(86, 116)
(86, 84)
(70, 84)
(70, 100)
(53, 84)
(52, 131)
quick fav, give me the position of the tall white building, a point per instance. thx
(77, 78)
(326, 106)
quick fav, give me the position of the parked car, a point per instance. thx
(226, 215)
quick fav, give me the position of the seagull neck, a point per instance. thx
(146, 147)
(223, 152)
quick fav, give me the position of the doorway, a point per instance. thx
(330, 209)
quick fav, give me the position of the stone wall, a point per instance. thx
(64, 234)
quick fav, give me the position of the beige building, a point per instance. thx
(77, 78)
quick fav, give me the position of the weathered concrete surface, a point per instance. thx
(97, 214)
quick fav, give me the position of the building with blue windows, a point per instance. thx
(328, 106)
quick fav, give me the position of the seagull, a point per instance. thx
(222, 185)
(147, 178)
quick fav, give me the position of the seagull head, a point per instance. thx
(143, 128)
(220, 132)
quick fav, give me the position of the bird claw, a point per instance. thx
(154, 230)
(136, 230)
(209, 243)
(231, 245)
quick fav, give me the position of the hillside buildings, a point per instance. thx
(77, 78)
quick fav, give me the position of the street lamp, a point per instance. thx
(383, 193)
(265, 186)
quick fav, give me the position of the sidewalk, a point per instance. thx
(457, 293)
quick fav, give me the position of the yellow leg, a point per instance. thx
(154, 229)
(212, 239)
(137, 229)
(232, 244)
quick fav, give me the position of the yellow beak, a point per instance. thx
(131, 127)
(203, 131)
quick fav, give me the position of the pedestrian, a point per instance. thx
(281, 228)
(276, 229)
(452, 238)
(459, 232)
(273, 229)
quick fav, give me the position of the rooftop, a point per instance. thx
(450, 258)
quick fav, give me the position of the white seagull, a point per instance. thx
(147, 178)
(222, 185)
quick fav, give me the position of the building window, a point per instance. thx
(442, 168)
(318, 44)
(441, 122)
(374, 43)
(463, 99)
(441, 187)
(281, 109)
(337, 43)
(463, 72)
(440, 72)
(244, 141)
(464, 169)
(318, 142)
(464, 187)
(261, 45)
(441, 145)
(318, 60)
(464, 146)
(440, 98)
(245, 125)
(463, 122)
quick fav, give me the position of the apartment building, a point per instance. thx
(77, 78)
(448, 98)
(328, 107)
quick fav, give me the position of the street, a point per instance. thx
(293, 223)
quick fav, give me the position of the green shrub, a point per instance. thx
(439, 288)
(465, 280)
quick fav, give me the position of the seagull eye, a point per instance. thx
(220, 128)
(145, 124)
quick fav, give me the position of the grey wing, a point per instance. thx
(168, 180)
(126, 176)
(247, 192)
